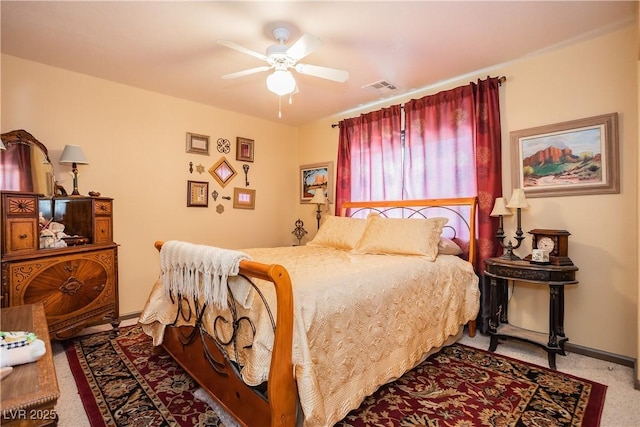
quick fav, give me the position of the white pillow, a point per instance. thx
(339, 232)
(401, 236)
(448, 247)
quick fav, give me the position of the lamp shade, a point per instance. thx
(518, 199)
(318, 197)
(73, 154)
(281, 82)
(500, 208)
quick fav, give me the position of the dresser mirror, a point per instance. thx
(25, 165)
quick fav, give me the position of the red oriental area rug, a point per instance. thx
(126, 382)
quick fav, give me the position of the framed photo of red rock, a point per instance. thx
(574, 158)
(316, 177)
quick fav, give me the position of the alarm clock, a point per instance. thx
(554, 242)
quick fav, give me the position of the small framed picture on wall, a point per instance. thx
(244, 149)
(197, 144)
(197, 194)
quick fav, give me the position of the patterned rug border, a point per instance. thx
(161, 414)
(592, 414)
(84, 389)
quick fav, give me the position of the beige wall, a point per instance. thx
(135, 142)
(590, 78)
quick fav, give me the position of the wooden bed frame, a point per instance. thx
(196, 352)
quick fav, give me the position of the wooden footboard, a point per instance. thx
(245, 403)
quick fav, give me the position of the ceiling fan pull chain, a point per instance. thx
(279, 107)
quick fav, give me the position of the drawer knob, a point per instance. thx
(23, 236)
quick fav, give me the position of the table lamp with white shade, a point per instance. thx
(518, 201)
(72, 154)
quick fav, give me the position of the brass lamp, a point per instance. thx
(73, 154)
(517, 201)
(319, 199)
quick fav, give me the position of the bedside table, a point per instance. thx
(29, 394)
(554, 277)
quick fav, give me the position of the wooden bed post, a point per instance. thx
(281, 386)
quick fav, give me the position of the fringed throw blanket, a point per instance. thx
(201, 271)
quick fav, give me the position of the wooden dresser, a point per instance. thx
(77, 284)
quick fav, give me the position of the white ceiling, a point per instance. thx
(170, 47)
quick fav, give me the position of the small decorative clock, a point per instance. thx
(554, 242)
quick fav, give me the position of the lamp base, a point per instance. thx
(75, 181)
(510, 256)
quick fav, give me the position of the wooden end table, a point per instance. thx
(29, 394)
(555, 277)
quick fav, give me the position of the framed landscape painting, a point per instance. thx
(578, 157)
(316, 177)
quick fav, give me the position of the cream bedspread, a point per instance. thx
(359, 321)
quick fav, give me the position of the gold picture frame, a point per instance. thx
(574, 158)
(197, 194)
(316, 176)
(223, 172)
(197, 144)
(244, 198)
(244, 149)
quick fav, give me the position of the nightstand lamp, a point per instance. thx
(73, 154)
(500, 210)
(517, 201)
(319, 199)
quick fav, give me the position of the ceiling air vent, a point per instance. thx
(381, 87)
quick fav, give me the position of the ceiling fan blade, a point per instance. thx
(304, 46)
(246, 72)
(323, 72)
(242, 49)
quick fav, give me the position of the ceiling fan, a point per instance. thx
(281, 58)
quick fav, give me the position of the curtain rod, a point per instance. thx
(501, 80)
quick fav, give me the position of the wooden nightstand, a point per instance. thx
(555, 277)
(29, 394)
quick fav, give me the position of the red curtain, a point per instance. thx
(440, 145)
(15, 168)
(370, 157)
(452, 149)
(488, 164)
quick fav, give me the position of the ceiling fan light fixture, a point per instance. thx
(281, 82)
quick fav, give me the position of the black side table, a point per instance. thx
(555, 277)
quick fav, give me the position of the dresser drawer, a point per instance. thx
(76, 290)
(19, 222)
(102, 207)
(21, 235)
(102, 230)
